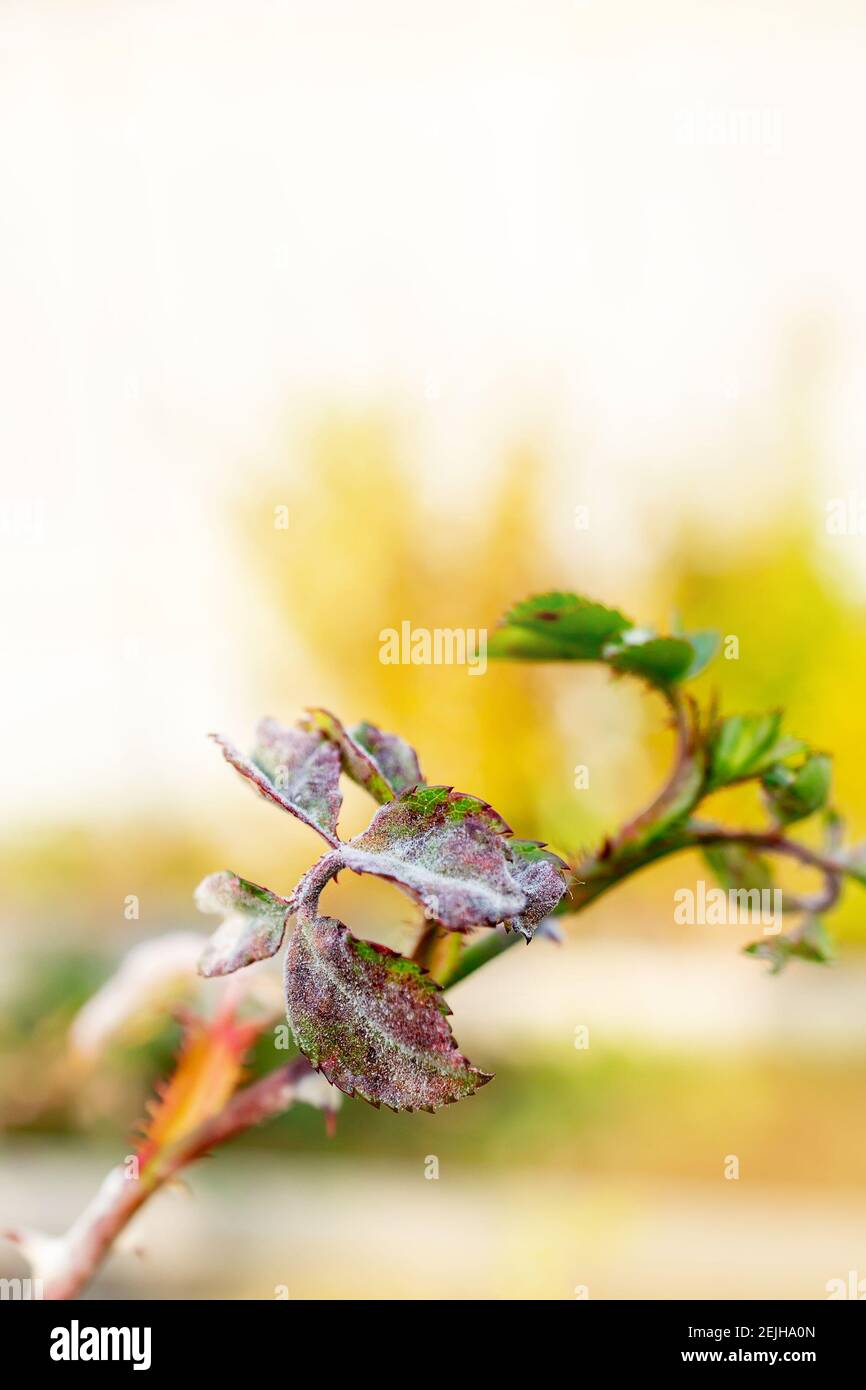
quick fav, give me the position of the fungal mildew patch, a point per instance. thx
(373, 1022)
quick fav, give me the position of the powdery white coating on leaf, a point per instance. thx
(356, 761)
(371, 1021)
(539, 872)
(448, 851)
(297, 770)
(304, 767)
(253, 925)
(384, 764)
(395, 758)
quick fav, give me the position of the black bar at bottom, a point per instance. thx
(217, 1338)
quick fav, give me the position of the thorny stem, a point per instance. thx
(685, 771)
(68, 1263)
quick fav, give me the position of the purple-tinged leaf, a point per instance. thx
(539, 873)
(384, 764)
(371, 1021)
(395, 758)
(297, 770)
(448, 851)
(253, 925)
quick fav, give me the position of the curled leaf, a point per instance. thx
(254, 921)
(539, 874)
(396, 759)
(384, 764)
(296, 769)
(371, 1021)
(447, 850)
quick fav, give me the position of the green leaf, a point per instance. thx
(253, 924)
(384, 764)
(539, 873)
(661, 660)
(810, 942)
(295, 769)
(371, 1021)
(794, 793)
(448, 851)
(739, 867)
(556, 627)
(567, 627)
(744, 745)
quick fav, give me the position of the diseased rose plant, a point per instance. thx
(374, 1023)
